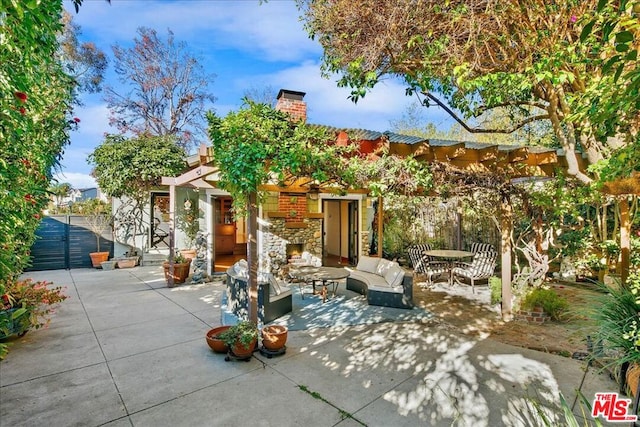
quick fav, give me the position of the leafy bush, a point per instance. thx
(616, 314)
(553, 304)
(495, 285)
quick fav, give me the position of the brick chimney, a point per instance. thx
(290, 101)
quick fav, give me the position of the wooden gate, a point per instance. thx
(65, 241)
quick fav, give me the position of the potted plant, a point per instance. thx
(181, 267)
(26, 305)
(188, 222)
(241, 339)
(215, 342)
(98, 217)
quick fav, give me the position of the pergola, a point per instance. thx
(514, 162)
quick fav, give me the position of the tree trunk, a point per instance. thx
(252, 255)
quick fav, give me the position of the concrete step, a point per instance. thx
(153, 259)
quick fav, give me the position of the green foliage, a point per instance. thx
(257, 144)
(495, 285)
(244, 333)
(35, 117)
(188, 221)
(616, 314)
(34, 301)
(131, 167)
(551, 302)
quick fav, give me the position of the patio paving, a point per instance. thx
(126, 350)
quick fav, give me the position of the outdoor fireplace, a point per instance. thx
(294, 251)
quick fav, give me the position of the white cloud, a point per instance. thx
(329, 104)
(94, 121)
(272, 28)
(77, 180)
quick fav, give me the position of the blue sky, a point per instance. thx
(246, 45)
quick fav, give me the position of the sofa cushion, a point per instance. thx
(368, 264)
(383, 266)
(384, 287)
(370, 279)
(274, 285)
(394, 276)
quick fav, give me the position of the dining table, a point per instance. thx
(451, 256)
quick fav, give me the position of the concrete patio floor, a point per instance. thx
(125, 350)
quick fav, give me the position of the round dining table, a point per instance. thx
(451, 256)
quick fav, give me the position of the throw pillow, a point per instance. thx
(368, 264)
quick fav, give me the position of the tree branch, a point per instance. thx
(482, 130)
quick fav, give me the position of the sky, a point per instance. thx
(247, 45)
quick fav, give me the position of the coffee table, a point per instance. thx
(328, 276)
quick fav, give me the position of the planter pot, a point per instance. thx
(180, 271)
(244, 352)
(109, 265)
(98, 257)
(188, 253)
(216, 344)
(128, 262)
(632, 378)
(15, 326)
(274, 337)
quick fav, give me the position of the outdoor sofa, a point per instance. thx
(274, 297)
(384, 282)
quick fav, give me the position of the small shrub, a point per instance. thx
(495, 285)
(553, 304)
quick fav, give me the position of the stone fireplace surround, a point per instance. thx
(276, 235)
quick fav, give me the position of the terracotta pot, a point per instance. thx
(274, 337)
(180, 271)
(216, 344)
(242, 352)
(128, 262)
(98, 257)
(188, 253)
(633, 377)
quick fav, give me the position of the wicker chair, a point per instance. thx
(481, 267)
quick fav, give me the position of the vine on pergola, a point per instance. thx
(258, 145)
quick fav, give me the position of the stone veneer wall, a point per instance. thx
(276, 236)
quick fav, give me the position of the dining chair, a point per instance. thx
(481, 267)
(425, 265)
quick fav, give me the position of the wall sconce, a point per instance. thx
(314, 191)
(187, 204)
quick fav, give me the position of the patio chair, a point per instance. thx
(481, 247)
(425, 265)
(481, 267)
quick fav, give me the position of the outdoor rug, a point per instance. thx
(347, 308)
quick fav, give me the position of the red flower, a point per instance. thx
(77, 120)
(36, 216)
(22, 110)
(21, 96)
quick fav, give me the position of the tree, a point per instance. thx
(262, 95)
(129, 169)
(59, 191)
(527, 57)
(35, 121)
(84, 61)
(168, 89)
